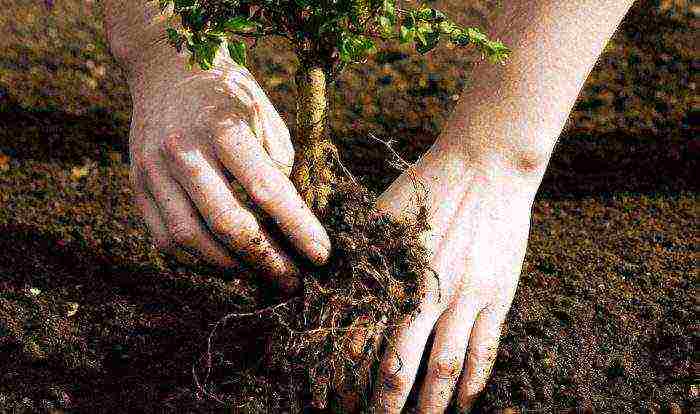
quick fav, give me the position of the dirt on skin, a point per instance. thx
(302, 352)
(606, 314)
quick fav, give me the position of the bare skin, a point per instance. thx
(482, 175)
(191, 130)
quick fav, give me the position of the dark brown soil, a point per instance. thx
(606, 314)
(296, 354)
(270, 354)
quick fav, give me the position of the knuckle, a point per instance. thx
(283, 161)
(270, 191)
(182, 235)
(172, 145)
(446, 368)
(529, 162)
(229, 220)
(393, 380)
(283, 157)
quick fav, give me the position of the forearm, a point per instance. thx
(511, 115)
(503, 131)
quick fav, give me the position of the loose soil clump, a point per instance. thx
(324, 342)
(291, 354)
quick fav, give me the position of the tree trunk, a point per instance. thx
(313, 173)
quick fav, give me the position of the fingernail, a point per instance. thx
(323, 251)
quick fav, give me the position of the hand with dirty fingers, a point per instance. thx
(482, 175)
(203, 146)
(479, 222)
(202, 143)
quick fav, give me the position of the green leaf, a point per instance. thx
(389, 8)
(173, 35)
(427, 37)
(406, 34)
(430, 14)
(354, 48)
(240, 24)
(349, 25)
(447, 27)
(420, 34)
(459, 38)
(386, 25)
(236, 49)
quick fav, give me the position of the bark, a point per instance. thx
(313, 173)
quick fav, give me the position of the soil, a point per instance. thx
(606, 314)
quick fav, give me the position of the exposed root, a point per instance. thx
(375, 276)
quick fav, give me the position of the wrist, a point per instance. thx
(445, 175)
(518, 160)
(135, 31)
(455, 172)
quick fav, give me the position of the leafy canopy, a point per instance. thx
(329, 33)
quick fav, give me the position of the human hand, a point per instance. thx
(479, 228)
(201, 143)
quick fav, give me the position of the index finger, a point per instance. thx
(243, 155)
(266, 122)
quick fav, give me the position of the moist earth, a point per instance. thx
(93, 319)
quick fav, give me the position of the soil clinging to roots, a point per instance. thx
(325, 342)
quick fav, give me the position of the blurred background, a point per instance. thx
(606, 315)
(637, 98)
